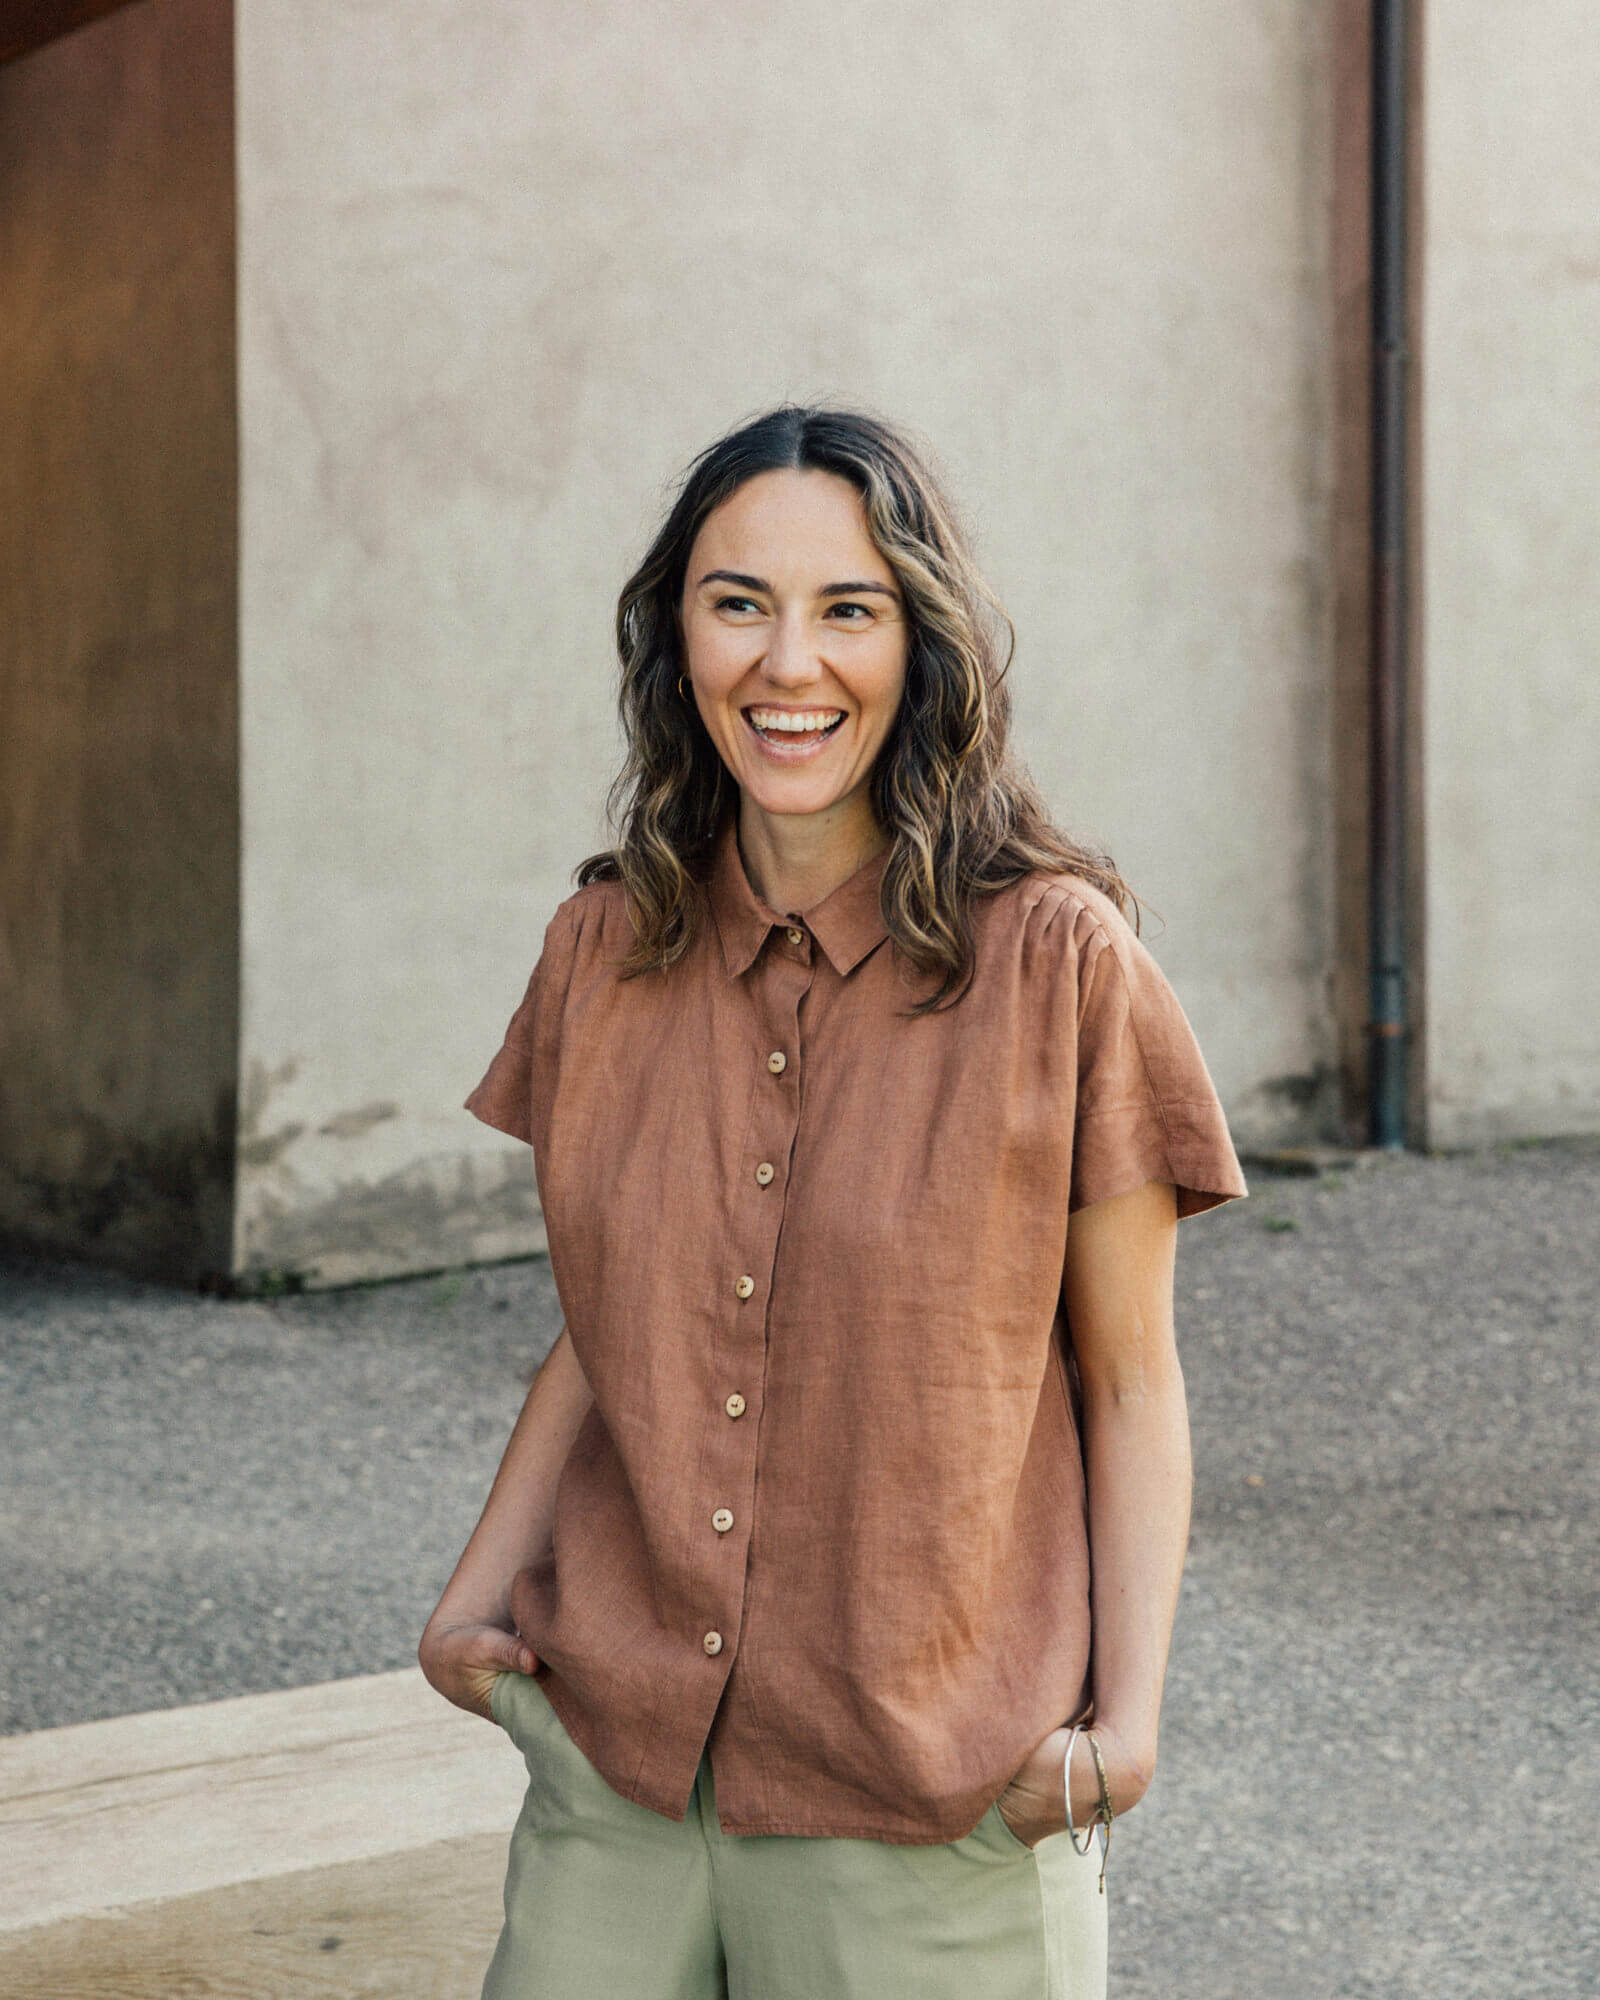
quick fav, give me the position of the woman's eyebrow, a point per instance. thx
(760, 583)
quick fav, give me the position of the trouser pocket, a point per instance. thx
(564, 1788)
(519, 1705)
(994, 1829)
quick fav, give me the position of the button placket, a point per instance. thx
(778, 984)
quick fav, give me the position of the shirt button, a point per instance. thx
(722, 1520)
(777, 1062)
(712, 1642)
(734, 1405)
(763, 1173)
(793, 935)
(744, 1287)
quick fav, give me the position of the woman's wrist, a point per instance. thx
(470, 1607)
(1129, 1750)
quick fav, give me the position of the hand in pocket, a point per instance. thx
(1032, 1804)
(462, 1661)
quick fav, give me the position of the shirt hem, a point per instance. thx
(824, 1830)
(643, 1794)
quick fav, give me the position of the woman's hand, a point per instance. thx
(1032, 1805)
(475, 1630)
(461, 1661)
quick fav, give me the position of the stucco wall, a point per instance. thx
(504, 268)
(118, 834)
(1512, 484)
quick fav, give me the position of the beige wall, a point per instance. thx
(1512, 494)
(118, 834)
(503, 268)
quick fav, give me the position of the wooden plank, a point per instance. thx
(105, 1815)
(414, 1926)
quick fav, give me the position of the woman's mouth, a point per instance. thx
(791, 733)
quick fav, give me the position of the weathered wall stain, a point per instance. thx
(255, 1092)
(258, 1148)
(437, 1212)
(161, 1206)
(1295, 1108)
(270, 1147)
(355, 1124)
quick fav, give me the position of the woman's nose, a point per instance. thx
(791, 656)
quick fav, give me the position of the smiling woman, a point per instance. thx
(862, 1123)
(812, 562)
(795, 639)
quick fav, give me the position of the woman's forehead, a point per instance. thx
(781, 525)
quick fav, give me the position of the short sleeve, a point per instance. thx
(1147, 1109)
(503, 1097)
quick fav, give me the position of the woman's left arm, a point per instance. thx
(1118, 1291)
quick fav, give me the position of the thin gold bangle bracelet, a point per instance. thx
(1066, 1792)
(1103, 1811)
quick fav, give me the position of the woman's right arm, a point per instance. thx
(471, 1636)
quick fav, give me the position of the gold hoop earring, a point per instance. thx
(680, 687)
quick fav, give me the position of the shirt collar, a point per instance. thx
(847, 923)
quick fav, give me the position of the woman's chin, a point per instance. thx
(791, 793)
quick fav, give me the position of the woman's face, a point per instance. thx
(795, 642)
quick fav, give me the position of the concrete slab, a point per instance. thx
(106, 1815)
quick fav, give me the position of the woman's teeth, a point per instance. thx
(794, 722)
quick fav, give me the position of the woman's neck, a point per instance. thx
(793, 860)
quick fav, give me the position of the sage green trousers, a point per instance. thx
(607, 1900)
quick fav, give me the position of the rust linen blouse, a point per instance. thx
(828, 1508)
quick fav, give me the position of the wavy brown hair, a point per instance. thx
(964, 816)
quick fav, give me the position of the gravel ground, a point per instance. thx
(1380, 1763)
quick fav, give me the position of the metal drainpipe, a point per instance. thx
(1386, 849)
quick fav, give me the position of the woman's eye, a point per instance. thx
(858, 612)
(736, 604)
